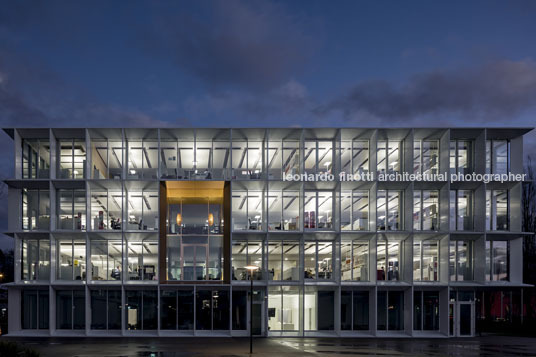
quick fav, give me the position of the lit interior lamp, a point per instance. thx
(210, 219)
(179, 219)
(251, 267)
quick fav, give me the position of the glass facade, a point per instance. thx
(150, 231)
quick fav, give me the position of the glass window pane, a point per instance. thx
(360, 261)
(204, 310)
(98, 309)
(395, 310)
(360, 157)
(346, 210)
(64, 310)
(79, 310)
(360, 210)
(381, 309)
(381, 156)
(150, 308)
(325, 210)
(346, 261)
(394, 155)
(361, 310)
(430, 310)
(114, 309)
(394, 201)
(310, 157)
(291, 258)
(309, 256)
(168, 310)
(500, 161)
(430, 260)
(346, 310)
(185, 309)
(239, 313)
(275, 308)
(500, 260)
(290, 314)
(325, 260)
(220, 303)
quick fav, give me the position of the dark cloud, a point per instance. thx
(249, 44)
(495, 92)
(32, 95)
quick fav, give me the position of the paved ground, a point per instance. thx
(200, 347)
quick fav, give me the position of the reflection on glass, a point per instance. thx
(461, 210)
(461, 156)
(497, 253)
(426, 157)
(497, 210)
(35, 158)
(461, 260)
(497, 156)
(35, 256)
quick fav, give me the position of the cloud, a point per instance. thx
(32, 95)
(494, 92)
(287, 104)
(251, 44)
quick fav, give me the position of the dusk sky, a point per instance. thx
(265, 63)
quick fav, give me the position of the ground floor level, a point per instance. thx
(172, 347)
(275, 310)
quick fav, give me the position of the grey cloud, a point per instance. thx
(234, 43)
(494, 92)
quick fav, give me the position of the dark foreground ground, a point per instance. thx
(279, 347)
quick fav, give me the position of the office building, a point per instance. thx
(147, 232)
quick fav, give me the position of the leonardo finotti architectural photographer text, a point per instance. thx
(405, 176)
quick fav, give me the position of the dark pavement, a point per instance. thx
(279, 347)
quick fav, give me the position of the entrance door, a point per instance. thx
(258, 308)
(466, 320)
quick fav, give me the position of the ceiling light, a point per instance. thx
(210, 219)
